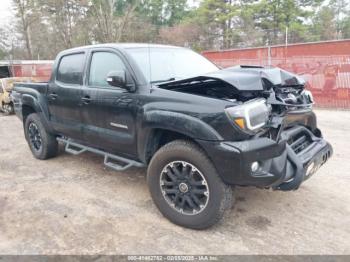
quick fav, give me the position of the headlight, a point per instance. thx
(251, 115)
(309, 96)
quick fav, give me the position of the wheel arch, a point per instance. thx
(161, 127)
(159, 137)
(31, 105)
(26, 111)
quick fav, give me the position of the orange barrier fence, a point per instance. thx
(38, 69)
(325, 65)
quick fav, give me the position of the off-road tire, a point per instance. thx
(49, 145)
(221, 195)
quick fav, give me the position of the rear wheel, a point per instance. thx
(42, 144)
(185, 186)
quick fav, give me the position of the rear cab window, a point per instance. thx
(71, 68)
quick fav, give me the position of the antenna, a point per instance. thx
(149, 61)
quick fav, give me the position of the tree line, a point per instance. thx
(42, 28)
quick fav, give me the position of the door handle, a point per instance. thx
(53, 96)
(86, 99)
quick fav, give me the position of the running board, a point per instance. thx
(115, 162)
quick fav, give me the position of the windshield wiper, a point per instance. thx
(161, 81)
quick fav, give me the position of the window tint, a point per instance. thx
(71, 69)
(101, 64)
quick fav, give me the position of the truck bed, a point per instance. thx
(24, 86)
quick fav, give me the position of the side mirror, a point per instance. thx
(117, 78)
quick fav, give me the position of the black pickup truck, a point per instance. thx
(199, 129)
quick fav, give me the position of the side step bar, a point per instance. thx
(115, 162)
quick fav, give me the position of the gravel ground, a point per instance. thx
(73, 205)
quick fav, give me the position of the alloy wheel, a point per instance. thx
(34, 136)
(184, 187)
(7, 108)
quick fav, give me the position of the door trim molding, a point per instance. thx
(119, 125)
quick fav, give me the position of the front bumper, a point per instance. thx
(283, 165)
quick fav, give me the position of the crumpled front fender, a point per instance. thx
(181, 123)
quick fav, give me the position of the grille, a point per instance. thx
(299, 142)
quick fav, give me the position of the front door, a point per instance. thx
(64, 96)
(108, 112)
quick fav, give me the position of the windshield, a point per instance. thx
(167, 63)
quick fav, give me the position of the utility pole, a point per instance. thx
(286, 46)
(268, 52)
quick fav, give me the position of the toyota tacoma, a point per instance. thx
(199, 129)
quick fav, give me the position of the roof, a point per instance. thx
(122, 46)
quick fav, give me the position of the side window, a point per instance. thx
(70, 69)
(101, 64)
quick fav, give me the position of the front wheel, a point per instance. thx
(185, 186)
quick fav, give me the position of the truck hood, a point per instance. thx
(244, 78)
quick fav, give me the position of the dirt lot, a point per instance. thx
(73, 205)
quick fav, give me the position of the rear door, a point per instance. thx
(65, 94)
(108, 112)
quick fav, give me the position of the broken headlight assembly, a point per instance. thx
(250, 116)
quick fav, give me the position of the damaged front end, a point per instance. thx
(292, 127)
(272, 107)
(268, 163)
